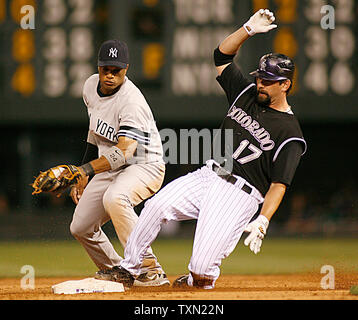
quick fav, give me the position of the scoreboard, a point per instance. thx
(320, 35)
(43, 68)
(171, 44)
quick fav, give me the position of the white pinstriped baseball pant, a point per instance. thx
(222, 209)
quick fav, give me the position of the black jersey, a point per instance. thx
(266, 144)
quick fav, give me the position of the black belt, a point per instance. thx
(227, 176)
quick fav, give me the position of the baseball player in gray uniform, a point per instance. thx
(224, 196)
(123, 163)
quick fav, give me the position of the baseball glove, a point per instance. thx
(57, 179)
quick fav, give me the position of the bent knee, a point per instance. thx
(112, 200)
(76, 229)
(80, 229)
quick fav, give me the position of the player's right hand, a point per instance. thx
(260, 22)
(77, 189)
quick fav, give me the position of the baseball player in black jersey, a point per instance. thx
(259, 164)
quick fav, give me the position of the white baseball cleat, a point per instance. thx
(151, 280)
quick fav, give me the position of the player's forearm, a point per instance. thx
(97, 166)
(113, 158)
(260, 22)
(273, 199)
(231, 44)
(225, 53)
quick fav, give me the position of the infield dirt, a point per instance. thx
(228, 287)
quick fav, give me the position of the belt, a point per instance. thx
(227, 176)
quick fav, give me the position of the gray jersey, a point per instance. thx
(124, 113)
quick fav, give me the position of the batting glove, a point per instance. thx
(257, 229)
(260, 22)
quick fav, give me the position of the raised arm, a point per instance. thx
(260, 22)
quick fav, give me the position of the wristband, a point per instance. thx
(115, 157)
(263, 220)
(87, 169)
(249, 29)
(222, 58)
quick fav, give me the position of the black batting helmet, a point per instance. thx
(275, 67)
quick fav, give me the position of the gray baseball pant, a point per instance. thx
(113, 195)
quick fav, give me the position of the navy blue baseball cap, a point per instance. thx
(274, 67)
(113, 53)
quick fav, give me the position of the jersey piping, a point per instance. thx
(287, 141)
(241, 93)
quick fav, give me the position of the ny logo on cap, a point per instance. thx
(113, 52)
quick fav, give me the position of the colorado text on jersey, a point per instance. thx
(253, 127)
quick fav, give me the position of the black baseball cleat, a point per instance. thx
(181, 282)
(117, 274)
(105, 274)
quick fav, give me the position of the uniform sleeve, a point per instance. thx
(90, 138)
(85, 100)
(135, 123)
(86, 89)
(233, 82)
(285, 165)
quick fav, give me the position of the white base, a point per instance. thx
(88, 285)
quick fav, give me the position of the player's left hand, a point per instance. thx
(57, 179)
(257, 230)
(260, 22)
